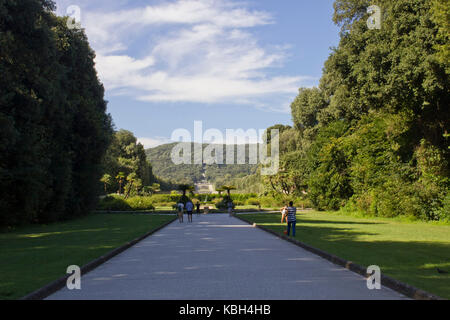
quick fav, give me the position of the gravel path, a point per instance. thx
(220, 258)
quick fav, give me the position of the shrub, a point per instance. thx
(166, 198)
(141, 203)
(223, 204)
(253, 202)
(305, 203)
(243, 197)
(220, 204)
(165, 204)
(443, 213)
(271, 202)
(112, 203)
(390, 200)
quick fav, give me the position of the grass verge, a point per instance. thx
(408, 252)
(33, 256)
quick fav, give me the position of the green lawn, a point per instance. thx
(409, 252)
(31, 257)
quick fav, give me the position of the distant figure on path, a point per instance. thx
(292, 219)
(230, 207)
(190, 210)
(284, 214)
(180, 208)
(198, 208)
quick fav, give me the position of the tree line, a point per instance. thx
(127, 171)
(373, 136)
(54, 128)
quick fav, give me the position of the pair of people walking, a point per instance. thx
(289, 214)
(189, 210)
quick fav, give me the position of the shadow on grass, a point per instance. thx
(33, 256)
(413, 262)
(270, 218)
(339, 222)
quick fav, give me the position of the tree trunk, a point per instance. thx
(129, 190)
(273, 186)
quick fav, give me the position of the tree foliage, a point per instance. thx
(54, 127)
(441, 16)
(164, 168)
(126, 160)
(373, 135)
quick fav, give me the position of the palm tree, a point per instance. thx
(228, 189)
(132, 177)
(154, 188)
(120, 179)
(220, 190)
(185, 188)
(138, 186)
(107, 181)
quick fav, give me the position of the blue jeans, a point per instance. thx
(293, 224)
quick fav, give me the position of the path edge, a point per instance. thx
(391, 283)
(53, 287)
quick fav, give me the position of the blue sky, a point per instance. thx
(231, 64)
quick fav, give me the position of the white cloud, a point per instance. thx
(117, 71)
(218, 12)
(189, 51)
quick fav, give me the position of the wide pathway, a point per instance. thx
(220, 258)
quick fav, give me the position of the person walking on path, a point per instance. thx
(292, 219)
(198, 208)
(230, 207)
(190, 210)
(180, 209)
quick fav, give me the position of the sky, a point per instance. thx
(231, 64)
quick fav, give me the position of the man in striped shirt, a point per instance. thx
(292, 219)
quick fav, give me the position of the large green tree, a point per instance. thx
(373, 136)
(128, 156)
(54, 127)
(393, 69)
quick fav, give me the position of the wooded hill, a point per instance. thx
(163, 166)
